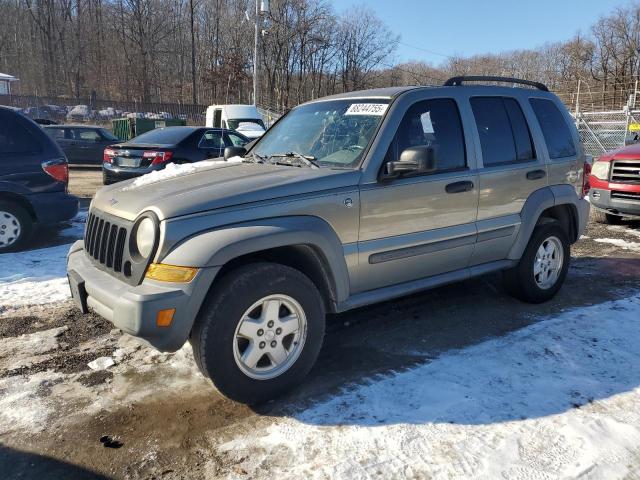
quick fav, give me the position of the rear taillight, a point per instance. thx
(157, 156)
(586, 186)
(57, 169)
(107, 156)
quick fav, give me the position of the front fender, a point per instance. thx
(217, 247)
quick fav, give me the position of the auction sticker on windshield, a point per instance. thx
(376, 109)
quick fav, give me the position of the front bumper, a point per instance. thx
(133, 309)
(601, 198)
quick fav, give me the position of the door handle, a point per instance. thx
(459, 187)
(536, 174)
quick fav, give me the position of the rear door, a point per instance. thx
(89, 145)
(511, 170)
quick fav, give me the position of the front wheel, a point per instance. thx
(543, 266)
(259, 332)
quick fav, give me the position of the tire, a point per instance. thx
(106, 179)
(16, 227)
(522, 281)
(217, 338)
(606, 218)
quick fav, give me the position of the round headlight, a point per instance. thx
(145, 237)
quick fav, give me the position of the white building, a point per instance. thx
(5, 83)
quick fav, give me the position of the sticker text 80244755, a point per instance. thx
(376, 109)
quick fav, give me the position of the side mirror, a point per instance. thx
(414, 160)
(231, 152)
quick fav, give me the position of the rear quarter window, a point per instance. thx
(555, 130)
(15, 137)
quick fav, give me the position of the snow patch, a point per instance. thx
(557, 399)
(33, 277)
(618, 242)
(173, 170)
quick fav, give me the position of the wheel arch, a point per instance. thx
(19, 200)
(555, 203)
(306, 243)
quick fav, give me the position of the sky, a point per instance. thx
(466, 27)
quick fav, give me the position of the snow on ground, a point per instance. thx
(619, 242)
(555, 400)
(173, 170)
(621, 229)
(36, 277)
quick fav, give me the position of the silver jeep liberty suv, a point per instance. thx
(346, 201)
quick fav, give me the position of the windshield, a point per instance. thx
(162, 136)
(334, 133)
(247, 123)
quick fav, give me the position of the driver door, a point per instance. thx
(418, 226)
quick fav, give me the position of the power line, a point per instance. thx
(425, 50)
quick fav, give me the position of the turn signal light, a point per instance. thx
(171, 273)
(108, 154)
(165, 317)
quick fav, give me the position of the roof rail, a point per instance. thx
(457, 81)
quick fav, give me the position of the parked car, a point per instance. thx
(80, 113)
(82, 144)
(348, 200)
(615, 185)
(33, 181)
(153, 150)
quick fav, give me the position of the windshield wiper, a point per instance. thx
(308, 160)
(254, 158)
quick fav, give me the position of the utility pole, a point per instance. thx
(262, 7)
(194, 92)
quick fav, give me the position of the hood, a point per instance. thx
(190, 188)
(252, 134)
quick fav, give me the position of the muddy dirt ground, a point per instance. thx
(152, 415)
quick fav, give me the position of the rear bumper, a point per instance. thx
(134, 309)
(53, 208)
(116, 173)
(601, 198)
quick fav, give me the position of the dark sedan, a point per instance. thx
(82, 144)
(155, 149)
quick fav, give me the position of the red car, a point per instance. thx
(615, 185)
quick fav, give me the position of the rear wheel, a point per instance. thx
(16, 226)
(606, 218)
(259, 332)
(543, 266)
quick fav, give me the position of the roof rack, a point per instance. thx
(457, 81)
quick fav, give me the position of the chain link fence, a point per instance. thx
(604, 131)
(100, 112)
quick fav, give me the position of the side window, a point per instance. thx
(432, 123)
(554, 127)
(503, 130)
(15, 138)
(236, 140)
(87, 135)
(211, 139)
(56, 133)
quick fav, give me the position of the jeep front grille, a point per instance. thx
(626, 171)
(104, 241)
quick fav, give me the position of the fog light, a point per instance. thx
(165, 317)
(171, 273)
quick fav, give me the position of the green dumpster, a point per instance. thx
(127, 128)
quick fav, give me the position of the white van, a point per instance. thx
(243, 118)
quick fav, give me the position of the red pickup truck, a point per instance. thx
(615, 185)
